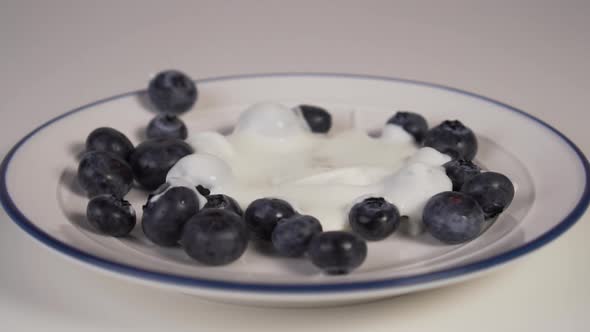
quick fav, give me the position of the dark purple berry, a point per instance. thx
(461, 171)
(374, 218)
(318, 119)
(452, 138)
(152, 159)
(337, 252)
(172, 92)
(104, 173)
(166, 126)
(109, 140)
(165, 214)
(262, 216)
(493, 191)
(111, 215)
(215, 237)
(413, 123)
(453, 217)
(292, 236)
(223, 202)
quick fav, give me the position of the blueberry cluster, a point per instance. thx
(218, 233)
(458, 216)
(293, 235)
(110, 162)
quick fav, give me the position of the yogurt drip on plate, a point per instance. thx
(273, 153)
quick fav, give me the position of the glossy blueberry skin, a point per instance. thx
(292, 236)
(164, 218)
(493, 191)
(262, 216)
(413, 123)
(453, 217)
(166, 126)
(215, 237)
(452, 138)
(111, 215)
(337, 252)
(152, 159)
(172, 92)
(104, 173)
(109, 140)
(318, 119)
(374, 218)
(461, 171)
(223, 202)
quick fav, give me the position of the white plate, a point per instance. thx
(38, 189)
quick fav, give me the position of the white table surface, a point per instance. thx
(55, 55)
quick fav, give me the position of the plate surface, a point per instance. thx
(550, 175)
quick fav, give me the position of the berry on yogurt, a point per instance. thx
(452, 138)
(317, 118)
(172, 91)
(152, 159)
(413, 123)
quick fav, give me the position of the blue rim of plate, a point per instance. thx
(127, 270)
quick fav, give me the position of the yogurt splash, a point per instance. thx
(272, 153)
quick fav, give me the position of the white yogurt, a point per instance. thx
(272, 153)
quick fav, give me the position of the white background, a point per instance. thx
(56, 55)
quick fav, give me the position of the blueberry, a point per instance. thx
(172, 91)
(109, 140)
(223, 202)
(453, 217)
(215, 237)
(337, 252)
(461, 171)
(203, 191)
(104, 173)
(165, 215)
(413, 123)
(111, 215)
(318, 119)
(263, 214)
(152, 159)
(166, 126)
(493, 191)
(374, 218)
(292, 236)
(452, 138)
